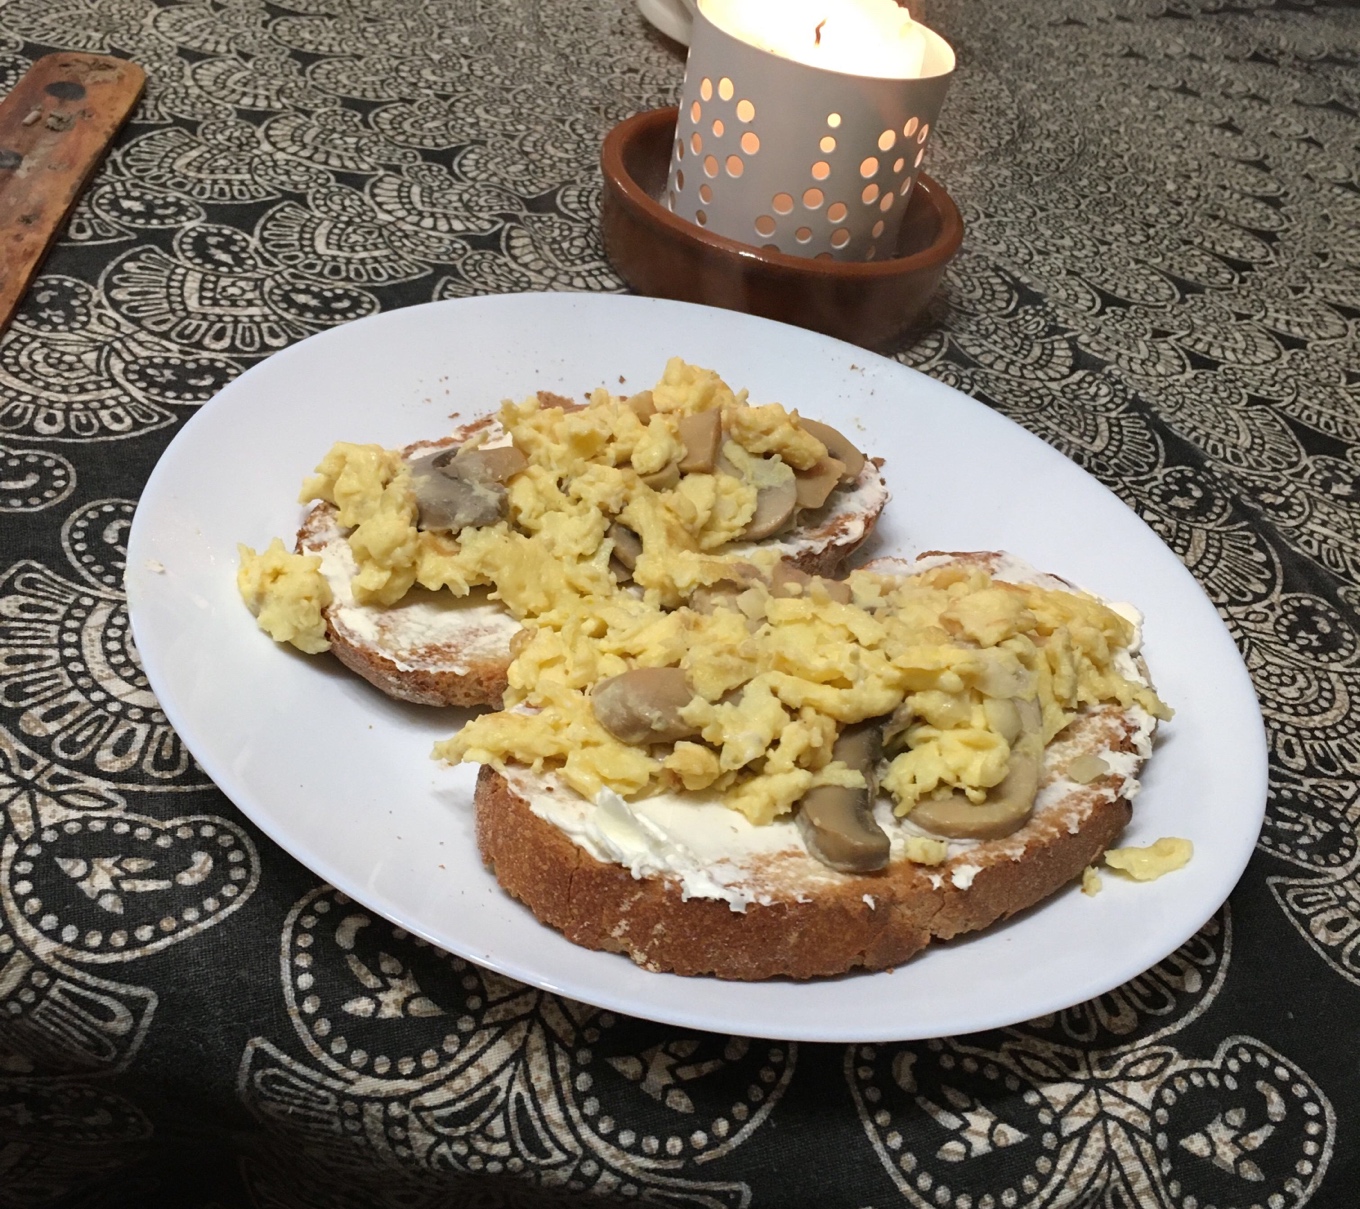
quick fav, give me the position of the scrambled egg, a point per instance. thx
(586, 470)
(1146, 864)
(776, 674)
(286, 592)
(924, 850)
(776, 677)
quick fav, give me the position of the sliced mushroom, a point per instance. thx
(456, 489)
(839, 829)
(701, 434)
(425, 464)
(818, 482)
(498, 462)
(642, 405)
(1003, 716)
(723, 593)
(643, 706)
(664, 479)
(837, 823)
(1008, 805)
(896, 726)
(1031, 715)
(775, 506)
(837, 446)
(860, 746)
(776, 489)
(453, 504)
(1006, 809)
(627, 545)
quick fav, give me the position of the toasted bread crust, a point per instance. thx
(481, 683)
(868, 921)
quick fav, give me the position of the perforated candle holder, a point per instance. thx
(869, 302)
(799, 159)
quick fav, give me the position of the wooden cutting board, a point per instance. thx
(54, 129)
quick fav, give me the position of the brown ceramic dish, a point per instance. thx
(659, 254)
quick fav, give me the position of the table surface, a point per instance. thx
(1160, 277)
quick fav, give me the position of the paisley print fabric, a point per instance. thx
(1161, 277)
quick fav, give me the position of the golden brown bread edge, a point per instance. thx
(452, 677)
(602, 906)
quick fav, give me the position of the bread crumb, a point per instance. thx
(1090, 881)
(154, 564)
(869, 898)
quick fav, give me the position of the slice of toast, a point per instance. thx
(435, 649)
(741, 901)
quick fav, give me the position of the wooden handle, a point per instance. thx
(54, 129)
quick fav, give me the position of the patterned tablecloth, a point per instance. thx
(1161, 277)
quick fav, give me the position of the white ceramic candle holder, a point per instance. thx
(779, 154)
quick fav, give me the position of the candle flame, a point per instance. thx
(875, 38)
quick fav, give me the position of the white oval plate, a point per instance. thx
(341, 777)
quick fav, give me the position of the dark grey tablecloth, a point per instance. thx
(1161, 276)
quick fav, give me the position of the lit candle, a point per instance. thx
(858, 37)
(803, 123)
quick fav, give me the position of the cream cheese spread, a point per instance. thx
(962, 875)
(710, 849)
